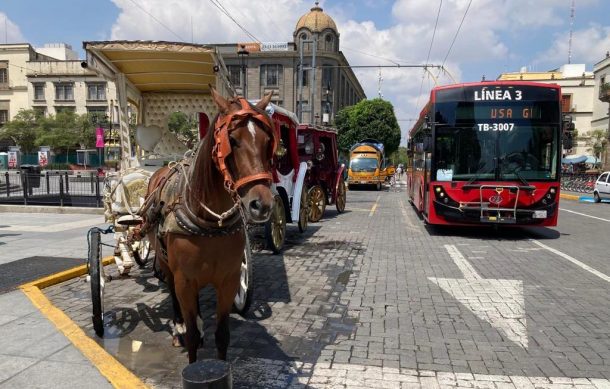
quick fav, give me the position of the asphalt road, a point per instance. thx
(374, 298)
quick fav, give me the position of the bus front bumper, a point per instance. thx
(483, 215)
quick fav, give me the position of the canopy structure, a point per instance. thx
(572, 159)
(157, 66)
(592, 160)
(157, 77)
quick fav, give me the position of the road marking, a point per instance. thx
(573, 260)
(499, 302)
(584, 214)
(374, 206)
(118, 375)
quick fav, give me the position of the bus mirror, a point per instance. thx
(428, 143)
(567, 140)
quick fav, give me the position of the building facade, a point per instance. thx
(31, 80)
(601, 106)
(577, 90)
(315, 88)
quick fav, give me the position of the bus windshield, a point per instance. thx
(520, 152)
(363, 164)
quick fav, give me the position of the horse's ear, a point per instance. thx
(222, 103)
(262, 104)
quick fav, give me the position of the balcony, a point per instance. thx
(604, 92)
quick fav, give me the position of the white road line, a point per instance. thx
(573, 260)
(584, 214)
(54, 227)
(469, 272)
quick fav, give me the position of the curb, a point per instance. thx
(569, 196)
(14, 208)
(117, 374)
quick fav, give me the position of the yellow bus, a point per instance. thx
(367, 165)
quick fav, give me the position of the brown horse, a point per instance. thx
(227, 181)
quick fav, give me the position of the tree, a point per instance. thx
(400, 156)
(598, 139)
(184, 127)
(368, 119)
(22, 130)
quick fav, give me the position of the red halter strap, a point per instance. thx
(222, 148)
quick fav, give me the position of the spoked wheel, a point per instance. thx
(97, 282)
(245, 293)
(341, 196)
(142, 251)
(303, 211)
(317, 203)
(275, 228)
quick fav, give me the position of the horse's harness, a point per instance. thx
(230, 221)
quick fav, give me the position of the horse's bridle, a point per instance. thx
(224, 125)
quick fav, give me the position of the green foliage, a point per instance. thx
(399, 156)
(368, 119)
(62, 132)
(599, 139)
(184, 127)
(22, 130)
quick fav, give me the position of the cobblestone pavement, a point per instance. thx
(373, 298)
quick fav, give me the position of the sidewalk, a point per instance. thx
(34, 353)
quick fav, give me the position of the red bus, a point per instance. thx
(488, 153)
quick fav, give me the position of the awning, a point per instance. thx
(592, 160)
(571, 159)
(160, 66)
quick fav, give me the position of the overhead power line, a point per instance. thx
(421, 85)
(224, 11)
(158, 21)
(456, 35)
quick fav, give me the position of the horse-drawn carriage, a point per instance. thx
(289, 174)
(153, 80)
(325, 179)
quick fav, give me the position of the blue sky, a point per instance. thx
(497, 35)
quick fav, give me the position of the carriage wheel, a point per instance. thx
(275, 228)
(303, 211)
(140, 254)
(317, 203)
(245, 293)
(341, 196)
(97, 282)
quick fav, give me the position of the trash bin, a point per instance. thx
(33, 175)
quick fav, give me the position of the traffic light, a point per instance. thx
(568, 132)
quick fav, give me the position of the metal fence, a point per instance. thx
(82, 189)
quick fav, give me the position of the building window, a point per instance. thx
(3, 117)
(96, 92)
(62, 109)
(38, 91)
(64, 91)
(98, 115)
(327, 77)
(329, 40)
(234, 75)
(3, 76)
(271, 75)
(566, 103)
(40, 111)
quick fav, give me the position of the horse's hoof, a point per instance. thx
(177, 341)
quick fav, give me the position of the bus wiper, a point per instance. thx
(516, 173)
(476, 174)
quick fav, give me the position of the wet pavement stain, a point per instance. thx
(297, 312)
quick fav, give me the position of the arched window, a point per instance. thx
(329, 42)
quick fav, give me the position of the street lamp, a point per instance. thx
(243, 53)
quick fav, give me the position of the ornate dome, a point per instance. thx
(316, 21)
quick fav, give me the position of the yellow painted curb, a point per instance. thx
(569, 196)
(117, 374)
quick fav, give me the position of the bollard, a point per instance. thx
(207, 374)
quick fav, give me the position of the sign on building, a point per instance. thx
(274, 46)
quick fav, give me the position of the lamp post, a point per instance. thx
(243, 53)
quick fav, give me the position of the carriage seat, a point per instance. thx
(287, 182)
(160, 145)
